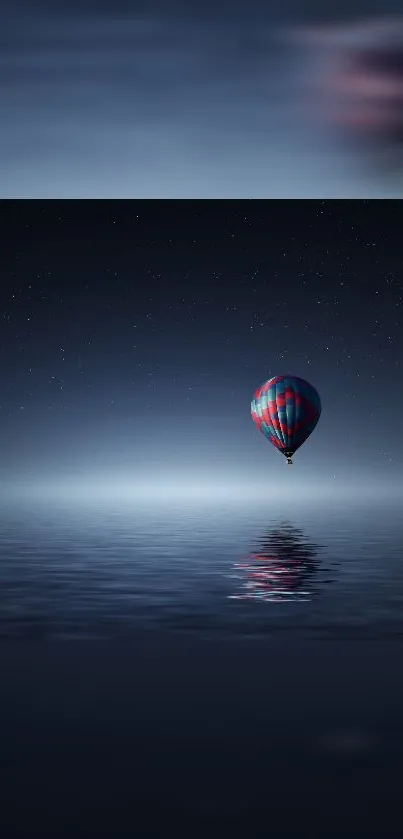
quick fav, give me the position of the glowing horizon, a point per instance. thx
(184, 488)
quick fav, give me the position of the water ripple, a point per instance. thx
(100, 573)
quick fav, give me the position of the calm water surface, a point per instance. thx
(201, 670)
(231, 570)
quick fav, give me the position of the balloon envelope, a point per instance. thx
(286, 410)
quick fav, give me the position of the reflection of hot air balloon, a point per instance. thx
(286, 410)
(279, 569)
(357, 82)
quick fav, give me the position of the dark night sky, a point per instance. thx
(135, 333)
(156, 99)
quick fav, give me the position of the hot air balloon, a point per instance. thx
(286, 410)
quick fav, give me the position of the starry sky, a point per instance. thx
(168, 100)
(134, 334)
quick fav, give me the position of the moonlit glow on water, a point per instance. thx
(98, 568)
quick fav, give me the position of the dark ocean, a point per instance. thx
(183, 669)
